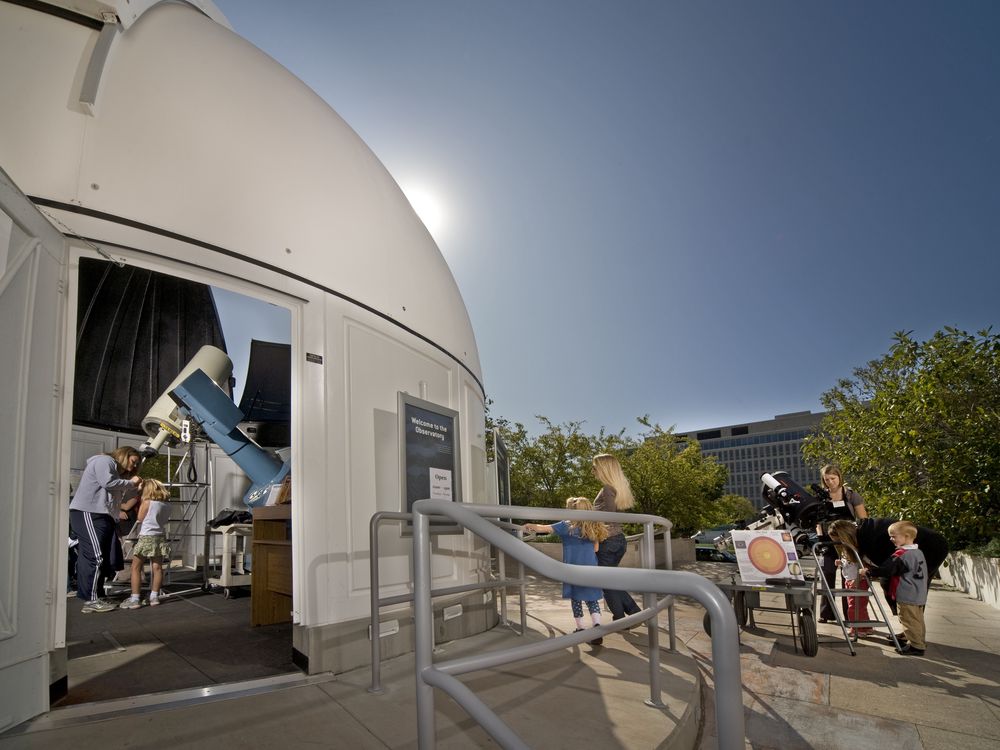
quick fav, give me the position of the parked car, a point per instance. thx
(711, 554)
(708, 537)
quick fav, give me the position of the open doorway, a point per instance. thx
(135, 330)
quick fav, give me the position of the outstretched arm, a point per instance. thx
(894, 566)
(545, 528)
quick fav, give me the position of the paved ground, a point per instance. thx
(593, 696)
(186, 642)
(950, 698)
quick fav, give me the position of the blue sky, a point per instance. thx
(243, 319)
(707, 212)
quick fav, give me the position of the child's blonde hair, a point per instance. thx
(904, 528)
(608, 471)
(153, 489)
(595, 531)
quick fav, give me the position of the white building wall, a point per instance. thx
(205, 159)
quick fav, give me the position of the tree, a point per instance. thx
(917, 431)
(673, 480)
(555, 465)
(668, 479)
(728, 509)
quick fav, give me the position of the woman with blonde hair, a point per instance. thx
(615, 495)
(93, 516)
(580, 540)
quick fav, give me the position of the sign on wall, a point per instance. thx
(429, 459)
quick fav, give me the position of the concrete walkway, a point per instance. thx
(589, 696)
(948, 699)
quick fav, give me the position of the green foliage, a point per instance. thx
(677, 483)
(155, 467)
(917, 432)
(555, 465)
(728, 509)
(549, 538)
(990, 549)
(667, 480)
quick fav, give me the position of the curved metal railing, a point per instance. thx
(378, 601)
(725, 635)
(503, 583)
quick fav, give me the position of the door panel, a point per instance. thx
(32, 339)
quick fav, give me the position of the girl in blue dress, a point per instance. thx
(580, 540)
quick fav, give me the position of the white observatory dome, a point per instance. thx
(198, 134)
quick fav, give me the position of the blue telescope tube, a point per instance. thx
(199, 398)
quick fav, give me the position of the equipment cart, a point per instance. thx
(231, 569)
(800, 601)
(799, 598)
(791, 509)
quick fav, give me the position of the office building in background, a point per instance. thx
(750, 449)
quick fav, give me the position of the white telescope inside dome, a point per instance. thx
(162, 422)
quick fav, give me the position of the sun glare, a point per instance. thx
(428, 208)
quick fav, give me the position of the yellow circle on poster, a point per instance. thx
(766, 555)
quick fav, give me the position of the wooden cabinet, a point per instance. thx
(271, 590)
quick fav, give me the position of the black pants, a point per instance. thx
(96, 532)
(609, 554)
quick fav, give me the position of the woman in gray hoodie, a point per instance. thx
(93, 515)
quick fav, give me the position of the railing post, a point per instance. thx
(668, 563)
(523, 599)
(502, 570)
(729, 713)
(376, 686)
(423, 617)
(652, 627)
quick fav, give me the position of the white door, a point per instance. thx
(33, 262)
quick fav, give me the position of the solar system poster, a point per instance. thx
(766, 554)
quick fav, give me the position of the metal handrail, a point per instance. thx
(377, 601)
(725, 635)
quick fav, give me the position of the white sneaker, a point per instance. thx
(99, 605)
(130, 604)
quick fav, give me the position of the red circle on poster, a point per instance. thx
(766, 555)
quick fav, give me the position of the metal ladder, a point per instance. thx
(832, 595)
(193, 495)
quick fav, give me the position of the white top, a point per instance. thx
(155, 522)
(849, 569)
